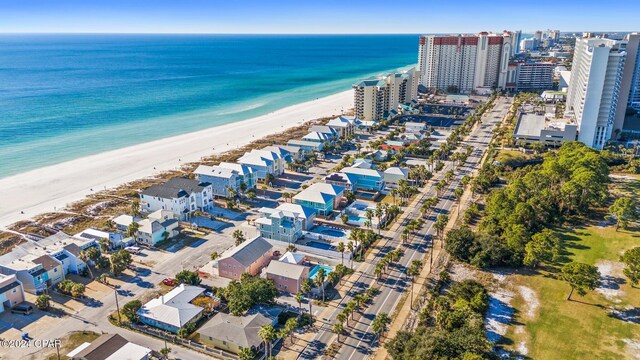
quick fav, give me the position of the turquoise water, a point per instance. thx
(327, 270)
(68, 96)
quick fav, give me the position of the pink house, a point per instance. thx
(11, 292)
(286, 276)
(250, 257)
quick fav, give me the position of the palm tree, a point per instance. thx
(267, 333)
(246, 354)
(380, 323)
(379, 212)
(132, 230)
(458, 195)
(338, 329)
(378, 271)
(135, 208)
(414, 271)
(238, 236)
(351, 249)
(341, 249)
(299, 297)
(306, 288)
(321, 276)
(369, 215)
(84, 256)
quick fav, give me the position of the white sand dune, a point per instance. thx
(45, 189)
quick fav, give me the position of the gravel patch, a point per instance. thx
(611, 278)
(530, 297)
(499, 315)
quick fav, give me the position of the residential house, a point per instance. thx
(42, 264)
(317, 137)
(293, 258)
(110, 347)
(123, 221)
(345, 181)
(393, 175)
(363, 163)
(346, 126)
(365, 179)
(234, 333)
(114, 239)
(159, 225)
(221, 179)
(380, 155)
(288, 153)
(286, 276)
(245, 173)
(395, 145)
(173, 310)
(249, 257)
(36, 273)
(321, 197)
(286, 222)
(307, 147)
(179, 195)
(330, 132)
(263, 162)
(11, 292)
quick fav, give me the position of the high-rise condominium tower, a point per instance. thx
(375, 98)
(465, 63)
(601, 79)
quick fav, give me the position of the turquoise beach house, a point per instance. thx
(321, 197)
(365, 179)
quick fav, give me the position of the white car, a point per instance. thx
(133, 249)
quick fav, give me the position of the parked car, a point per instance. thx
(169, 282)
(133, 249)
(24, 309)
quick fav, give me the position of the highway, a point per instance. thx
(360, 342)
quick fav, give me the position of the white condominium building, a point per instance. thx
(374, 99)
(633, 66)
(464, 63)
(597, 95)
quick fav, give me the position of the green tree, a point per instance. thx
(631, 260)
(319, 280)
(43, 302)
(132, 230)
(299, 297)
(165, 351)
(338, 329)
(120, 261)
(581, 277)
(341, 250)
(380, 323)
(543, 247)
(77, 290)
(268, 334)
(291, 325)
(414, 271)
(135, 208)
(215, 255)
(238, 236)
(130, 310)
(188, 277)
(246, 354)
(624, 209)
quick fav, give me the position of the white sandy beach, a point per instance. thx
(45, 189)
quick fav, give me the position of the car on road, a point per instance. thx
(169, 282)
(24, 309)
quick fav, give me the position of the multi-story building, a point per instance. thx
(376, 99)
(598, 93)
(264, 162)
(527, 45)
(632, 71)
(249, 257)
(245, 173)
(322, 198)
(534, 75)
(464, 63)
(179, 195)
(222, 180)
(11, 292)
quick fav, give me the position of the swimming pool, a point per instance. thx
(329, 231)
(357, 218)
(366, 195)
(320, 245)
(314, 271)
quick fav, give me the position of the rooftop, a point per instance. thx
(250, 251)
(286, 269)
(174, 308)
(215, 171)
(175, 187)
(240, 330)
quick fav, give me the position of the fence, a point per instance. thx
(184, 342)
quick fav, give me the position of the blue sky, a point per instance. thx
(320, 16)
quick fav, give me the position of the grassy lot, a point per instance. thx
(72, 341)
(512, 158)
(583, 328)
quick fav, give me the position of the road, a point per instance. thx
(360, 341)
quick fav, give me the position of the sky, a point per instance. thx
(318, 17)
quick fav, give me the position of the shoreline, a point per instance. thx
(53, 187)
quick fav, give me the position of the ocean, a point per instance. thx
(67, 96)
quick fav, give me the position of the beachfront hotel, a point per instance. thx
(465, 63)
(376, 99)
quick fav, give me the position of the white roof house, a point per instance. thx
(174, 308)
(286, 269)
(361, 171)
(393, 175)
(240, 168)
(292, 258)
(315, 136)
(414, 126)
